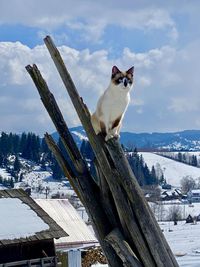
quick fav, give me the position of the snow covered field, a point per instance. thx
(184, 241)
(173, 171)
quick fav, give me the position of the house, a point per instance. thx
(173, 194)
(79, 238)
(27, 232)
(194, 195)
(167, 186)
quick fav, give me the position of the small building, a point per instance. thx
(194, 195)
(26, 231)
(189, 219)
(79, 238)
(167, 186)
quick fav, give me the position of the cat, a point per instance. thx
(112, 105)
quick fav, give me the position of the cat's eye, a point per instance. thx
(120, 80)
(130, 81)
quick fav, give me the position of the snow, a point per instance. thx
(81, 136)
(4, 174)
(184, 241)
(18, 220)
(39, 181)
(162, 209)
(173, 171)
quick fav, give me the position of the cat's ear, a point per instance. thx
(130, 71)
(115, 70)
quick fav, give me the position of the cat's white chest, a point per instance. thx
(114, 104)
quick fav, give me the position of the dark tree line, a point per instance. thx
(183, 157)
(141, 170)
(136, 161)
(28, 146)
(33, 148)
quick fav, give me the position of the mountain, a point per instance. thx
(78, 133)
(184, 140)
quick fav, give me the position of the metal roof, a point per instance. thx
(67, 217)
(53, 230)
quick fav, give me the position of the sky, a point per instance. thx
(161, 39)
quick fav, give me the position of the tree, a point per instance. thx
(180, 158)
(154, 179)
(187, 184)
(17, 165)
(57, 172)
(12, 183)
(86, 150)
(174, 214)
(194, 161)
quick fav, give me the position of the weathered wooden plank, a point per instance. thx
(96, 143)
(128, 257)
(163, 255)
(87, 188)
(141, 207)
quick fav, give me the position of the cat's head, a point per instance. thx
(124, 80)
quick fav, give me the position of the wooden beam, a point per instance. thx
(122, 248)
(157, 252)
(82, 181)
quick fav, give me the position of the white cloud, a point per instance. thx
(166, 86)
(89, 17)
(184, 105)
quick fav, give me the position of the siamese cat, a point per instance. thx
(112, 105)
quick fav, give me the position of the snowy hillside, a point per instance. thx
(173, 171)
(42, 183)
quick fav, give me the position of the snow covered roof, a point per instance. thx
(68, 218)
(195, 191)
(23, 220)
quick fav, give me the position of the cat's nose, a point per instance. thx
(125, 82)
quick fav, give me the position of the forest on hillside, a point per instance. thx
(31, 147)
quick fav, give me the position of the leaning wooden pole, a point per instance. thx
(119, 170)
(79, 177)
(81, 180)
(131, 236)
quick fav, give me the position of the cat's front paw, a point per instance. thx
(108, 136)
(117, 136)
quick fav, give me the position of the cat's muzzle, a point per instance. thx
(125, 82)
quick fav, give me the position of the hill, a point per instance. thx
(173, 171)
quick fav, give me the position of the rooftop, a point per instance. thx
(67, 217)
(22, 219)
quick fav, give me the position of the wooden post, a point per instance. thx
(140, 242)
(79, 176)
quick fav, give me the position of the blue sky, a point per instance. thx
(160, 38)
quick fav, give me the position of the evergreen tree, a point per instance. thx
(143, 175)
(154, 179)
(180, 158)
(16, 143)
(194, 161)
(57, 172)
(4, 144)
(11, 183)
(16, 165)
(86, 150)
(22, 142)
(1, 159)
